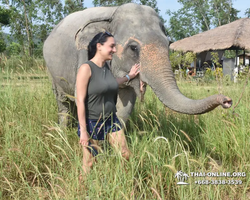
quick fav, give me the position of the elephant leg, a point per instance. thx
(63, 106)
(73, 113)
(67, 112)
(125, 103)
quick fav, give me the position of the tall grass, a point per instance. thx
(19, 64)
(39, 160)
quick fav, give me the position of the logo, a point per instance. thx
(181, 176)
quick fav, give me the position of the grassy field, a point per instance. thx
(39, 160)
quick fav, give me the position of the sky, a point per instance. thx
(173, 5)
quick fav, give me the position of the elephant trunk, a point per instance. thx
(155, 63)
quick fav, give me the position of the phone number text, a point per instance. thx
(218, 182)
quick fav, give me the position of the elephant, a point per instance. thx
(140, 37)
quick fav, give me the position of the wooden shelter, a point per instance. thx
(232, 36)
(235, 35)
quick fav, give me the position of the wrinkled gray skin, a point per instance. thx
(140, 37)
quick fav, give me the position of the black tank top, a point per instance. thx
(101, 93)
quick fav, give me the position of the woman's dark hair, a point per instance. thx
(99, 38)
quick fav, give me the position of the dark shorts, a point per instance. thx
(98, 129)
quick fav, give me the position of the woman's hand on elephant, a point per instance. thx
(134, 71)
(84, 138)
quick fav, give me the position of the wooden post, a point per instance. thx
(195, 66)
(244, 58)
(237, 61)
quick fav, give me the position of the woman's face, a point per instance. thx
(108, 48)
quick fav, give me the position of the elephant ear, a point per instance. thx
(99, 21)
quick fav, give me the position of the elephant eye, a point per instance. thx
(133, 47)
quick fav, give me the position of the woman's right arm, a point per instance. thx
(82, 80)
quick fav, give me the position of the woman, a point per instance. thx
(96, 90)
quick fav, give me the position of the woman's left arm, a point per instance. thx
(132, 74)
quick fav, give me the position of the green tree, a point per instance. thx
(222, 12)
(4, 16)
(191, 19)
(14, 49)
(151, 3)
(110, 2)
(4, 21)
(247, 12)
(51, 13)
(199, 10)
(23, 15)
(198, 16)
(73, 6)
(32, 20)
(181, 25)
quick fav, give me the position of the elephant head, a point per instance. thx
(140, 37)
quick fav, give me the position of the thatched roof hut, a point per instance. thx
(235, 35)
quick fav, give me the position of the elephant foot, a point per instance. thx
(63, 119)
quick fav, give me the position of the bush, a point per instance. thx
(14, 49)
(243, 74)
(38, 50)
(2, 43)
